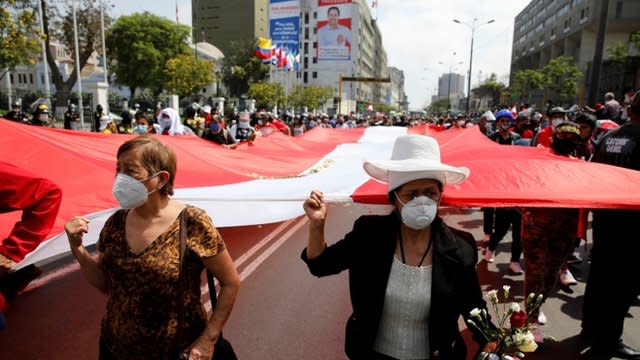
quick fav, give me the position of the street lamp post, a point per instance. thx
(47, 90)
(104, 54)
(78, 70)
(473, 28)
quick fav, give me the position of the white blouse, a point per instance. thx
(403, 332)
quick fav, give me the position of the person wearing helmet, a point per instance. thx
(96, 118)
(16, 113)
(42, 116)
(72, 118)
(557, 115)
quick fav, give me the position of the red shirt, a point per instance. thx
(281, 126)
(544, 137)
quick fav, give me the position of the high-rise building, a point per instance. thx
(395, 94)
(220, 22)
(367, 58)
(547, 29)
(456, 81)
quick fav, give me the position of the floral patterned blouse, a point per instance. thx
(141, 318)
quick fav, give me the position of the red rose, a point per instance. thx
(518, 319)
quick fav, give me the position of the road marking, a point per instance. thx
(249, 269)
(252, 266)
(261, 243)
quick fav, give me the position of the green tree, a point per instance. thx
(635, 40)
(19, 35)
(267, 95)
(525, 82)
(562, 76)
(438, 107)
(186, 75)
(141, 44)
(491, 88)
(317, 96)
(241, 68)
(58, 24)
(311, 96)
(619, 54)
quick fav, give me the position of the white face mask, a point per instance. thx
(130, 192)
(461, 122)
(419, 212)
(243, 124)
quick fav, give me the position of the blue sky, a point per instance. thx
(417, 35)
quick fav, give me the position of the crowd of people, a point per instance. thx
(414, 242)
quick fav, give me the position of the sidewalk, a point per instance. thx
(563, 308)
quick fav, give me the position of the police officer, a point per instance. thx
(16, 113)
(42, 116)
(612, 287)
(71, 117)
(96, 117)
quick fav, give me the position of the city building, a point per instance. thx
(547, 29)
(221, 22)
(367, 59)
(450, 84)
(395, 94)
(451, 87)
(30, 78)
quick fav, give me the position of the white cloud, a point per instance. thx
(417, 34)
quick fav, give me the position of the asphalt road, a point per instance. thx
(282, 312)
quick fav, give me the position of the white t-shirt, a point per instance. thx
(329, 37)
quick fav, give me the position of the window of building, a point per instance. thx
(314, 75)
(31, 78)
(306, 33)
(13, 80)
(315, 60)
(563, 10)
(306, 62)
(41, 79)
(315, 30)
(315, 15)
(619, 9)
(306, 47)
(306, 18)
(315, 44)
(305, 77)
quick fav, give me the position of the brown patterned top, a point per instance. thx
(141, 321)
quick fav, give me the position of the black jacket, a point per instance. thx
(367, 252)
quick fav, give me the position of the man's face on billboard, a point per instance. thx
(333, 15)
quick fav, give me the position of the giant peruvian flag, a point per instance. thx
(268, 181)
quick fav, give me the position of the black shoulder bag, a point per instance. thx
(222, 349)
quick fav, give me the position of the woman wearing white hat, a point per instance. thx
(410, 275)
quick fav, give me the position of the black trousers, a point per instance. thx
(506, 218)
(487, 220)
(613, 284)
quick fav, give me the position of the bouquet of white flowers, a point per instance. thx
(506, 342)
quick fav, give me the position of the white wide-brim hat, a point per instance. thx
(414, 157)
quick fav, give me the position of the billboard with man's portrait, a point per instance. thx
(334, 30)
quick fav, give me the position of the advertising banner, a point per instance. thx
(284, 25)
(334, 29)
